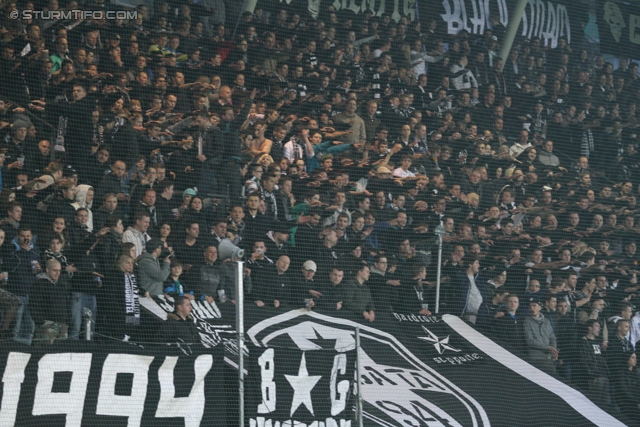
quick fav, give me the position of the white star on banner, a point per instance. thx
(440, 344)
(302, 385)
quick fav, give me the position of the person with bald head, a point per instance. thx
(48, 301)
(224, 99)
(112, 183)
(275, 289)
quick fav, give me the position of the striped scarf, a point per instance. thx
(132, 300)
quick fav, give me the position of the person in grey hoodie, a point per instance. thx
(151, 275)
(540, 339)
(548, 160)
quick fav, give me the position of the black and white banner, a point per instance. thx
(81, 384)
(545, 19)
(396, 8)
(416, 371)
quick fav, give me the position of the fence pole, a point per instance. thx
(240, 329)
(359, 381)
(439, 232)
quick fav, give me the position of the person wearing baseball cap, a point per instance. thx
(276, 241)
(540, 340)
(308, 285)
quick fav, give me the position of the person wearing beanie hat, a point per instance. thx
(188, 192)
(151, 275)
(20, 124)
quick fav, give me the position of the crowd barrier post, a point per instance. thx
(439, 232)
(359, 380)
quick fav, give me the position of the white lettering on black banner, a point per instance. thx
(124, 406)
(546, 20)
(47, 402)
(12, 384)
(396, 8)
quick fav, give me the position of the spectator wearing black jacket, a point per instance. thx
(112, 183)
(164, 203)
(49, 305)
(331, 291)
(415, 294)
(62, 207)
(275, 287)
(22, 266)
(180, 326)
(592, 369)
(619, 349)
(628, 389)
(509, 327)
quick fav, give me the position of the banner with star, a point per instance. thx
(301, 369)
(415, 370)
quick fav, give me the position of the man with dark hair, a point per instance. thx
(490, 311)
(108, 209)
(207, 280)
(331, 291)
(357, 297)
(596, 313)
(256, 223)
(619, 349)
(540, 339)
(470, 292)
(509, 329)
(22, 266)
(164, 205)
(150, 274)
(78, 126)
(179, 326)
(11, 223)
(148, 205)
(276, 240)
(592, 368)
(384, 290)
(137, 233)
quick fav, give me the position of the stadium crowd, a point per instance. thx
(135, 153)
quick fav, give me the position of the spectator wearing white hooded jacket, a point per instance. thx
(84, 199)
(461, 77)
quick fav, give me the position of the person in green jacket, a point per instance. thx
(357, 297)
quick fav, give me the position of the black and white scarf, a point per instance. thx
(132, 300)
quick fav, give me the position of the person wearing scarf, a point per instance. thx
(119, 303)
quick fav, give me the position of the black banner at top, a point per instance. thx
(619, 28)
(548, 20)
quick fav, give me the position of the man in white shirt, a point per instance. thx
(137, 233)
(523, 143)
